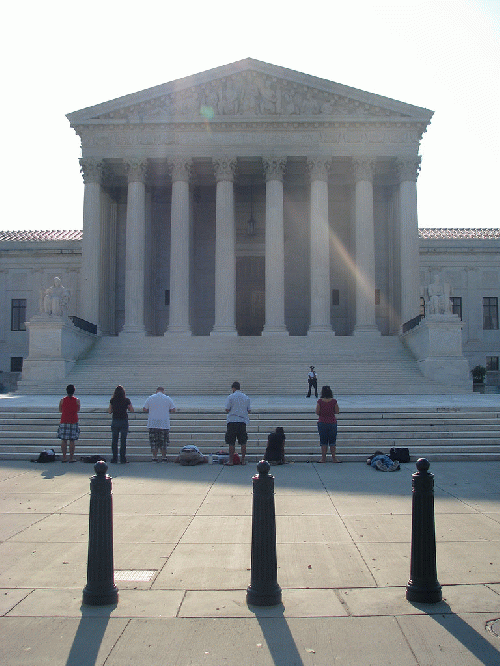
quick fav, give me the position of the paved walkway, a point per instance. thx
(182, 565)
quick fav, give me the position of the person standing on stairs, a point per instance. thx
(159, 407)
(119, 405)
(237, 409)
(327, 409)
(312, 380)
(68, 427)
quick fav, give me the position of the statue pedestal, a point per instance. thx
(437, 345)
(54, 345)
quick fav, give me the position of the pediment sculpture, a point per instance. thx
(244, 95)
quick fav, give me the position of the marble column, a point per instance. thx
(407, 170)
(225, 260)
(135, 237)
(274, 168)
(180, 236)
(365, 247)
(319, 247)
(91, 243)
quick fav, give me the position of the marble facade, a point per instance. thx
(250, 200)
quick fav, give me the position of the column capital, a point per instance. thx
(225, 168)
(180, 168)
(408, 168)
(136, 170)
(319, 168)
(363, 168)
(274, 167)
(91, 169)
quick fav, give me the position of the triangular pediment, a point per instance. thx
(248, 90)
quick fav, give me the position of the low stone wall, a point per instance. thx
(436, 343)
(54, 346)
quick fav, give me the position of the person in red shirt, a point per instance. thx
(68, 427)
(327, 409)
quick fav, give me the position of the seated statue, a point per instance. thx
(55, 299)
(438, 301)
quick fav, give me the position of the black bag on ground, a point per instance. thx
(92, 459)
(46, 456)
(403, 455)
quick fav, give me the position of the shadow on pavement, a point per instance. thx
(88, 638)
(472, 640)
(278, 637)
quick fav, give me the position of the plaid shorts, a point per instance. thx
(158, 438)
(68, 431)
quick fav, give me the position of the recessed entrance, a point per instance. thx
(250, 295)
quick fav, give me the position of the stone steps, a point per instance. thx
(208, 366)
(427, 433)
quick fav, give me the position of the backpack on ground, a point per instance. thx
(46, 456)
(401, 455)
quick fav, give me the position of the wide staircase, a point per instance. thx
(271, 365)
(439, 433)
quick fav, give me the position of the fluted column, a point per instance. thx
(180, 235)
(135, 247)
(274, 168)
(408, 170)
(225, 260)
(365, 248)
(91, 243)
(319, 247)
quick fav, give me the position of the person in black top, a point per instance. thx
(119, 406)
(275, 451)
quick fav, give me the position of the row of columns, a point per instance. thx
(225, 258)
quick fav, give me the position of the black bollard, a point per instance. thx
(100, 589)
(263, 589)
(423, 586)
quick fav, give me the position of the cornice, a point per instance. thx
(274, 77)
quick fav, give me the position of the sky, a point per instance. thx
(61, 56)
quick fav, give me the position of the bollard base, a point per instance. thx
(424, 595)
(269, 597)
(100, 597)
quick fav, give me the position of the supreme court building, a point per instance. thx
(250, 200)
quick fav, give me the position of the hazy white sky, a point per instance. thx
(61, 56)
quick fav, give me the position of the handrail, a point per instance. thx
(84, 325)
(407, 326)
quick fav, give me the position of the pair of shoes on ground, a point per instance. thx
(122, 460)
(155, 460)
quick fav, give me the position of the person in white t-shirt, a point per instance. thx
(237, 409)
(159, 407)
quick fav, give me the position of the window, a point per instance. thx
(490, 313)
(16, 363)
(18, 314)
(492, 363)
(335, 297)
(456, 305)
(422, 306)
(167, 296)
(377, 296)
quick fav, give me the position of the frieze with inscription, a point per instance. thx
(278, 134)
